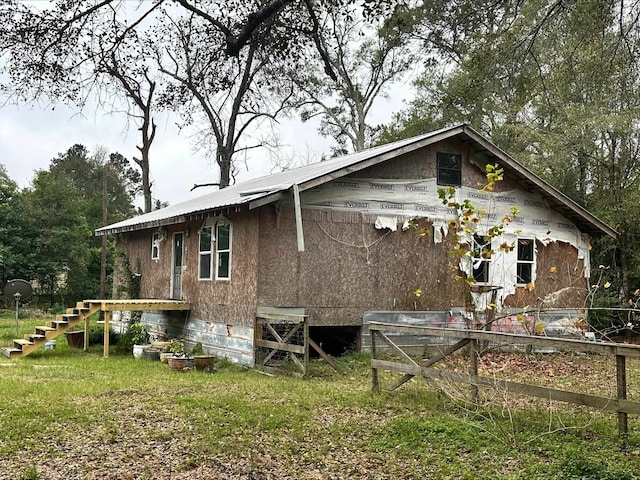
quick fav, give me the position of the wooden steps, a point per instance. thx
(80, 313)
(49, 331)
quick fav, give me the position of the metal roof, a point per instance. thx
(270, 188)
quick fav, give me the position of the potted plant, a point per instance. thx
(179, 359)
(202, 361)
(139, 334)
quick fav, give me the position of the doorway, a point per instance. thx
(177, 266)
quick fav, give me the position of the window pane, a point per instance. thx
(155, 246)
(223, 265)
(449, 169)
(525, 250)
(205, 266)
(449, 177)
(205, 239)
(481, 272)
(223, 237)
(524, 272)
(449, 160)
(482, 258)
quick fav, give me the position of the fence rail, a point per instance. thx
(409, 368)
(283, 336)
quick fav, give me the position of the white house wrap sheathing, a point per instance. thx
(397, 201)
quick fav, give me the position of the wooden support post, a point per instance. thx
(105, 350)
(306, 346)
(375, 383)
(473, 357)
(86, 333)
(621, 377)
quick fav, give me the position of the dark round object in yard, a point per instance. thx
(18, 289)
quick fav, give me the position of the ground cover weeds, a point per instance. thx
(70, 414)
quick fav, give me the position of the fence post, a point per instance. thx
(621, 378)
(306, 346)
(473, 356)
(375, 384)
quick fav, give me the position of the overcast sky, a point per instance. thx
(30, 137)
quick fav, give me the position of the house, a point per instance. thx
(327, 240)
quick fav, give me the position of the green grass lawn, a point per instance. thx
(68, 414)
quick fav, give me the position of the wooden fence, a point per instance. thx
(280, 337)
(409, 368)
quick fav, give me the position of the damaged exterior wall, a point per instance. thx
(349, 265)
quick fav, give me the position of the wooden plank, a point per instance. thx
(279, 339)
(446, 352)
(105, 337)
(280, 318)
(611, 348)
(473, 369)
(323, 355)
(396, 367)
(404, 379)
(137, 304)
(621, 380)
(375, 381)
(45, 328)
(305, 341)
(396, 349)
(285, 347)
(297, 361)
(600, 403)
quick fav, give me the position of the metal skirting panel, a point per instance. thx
(231, 342)
(554, 323)
(422, 319)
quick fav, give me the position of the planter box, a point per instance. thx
(75, 339)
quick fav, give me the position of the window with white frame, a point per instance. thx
(223, 251)
(155, 246)
(481, 258)
(526, 259)
(205, 253)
